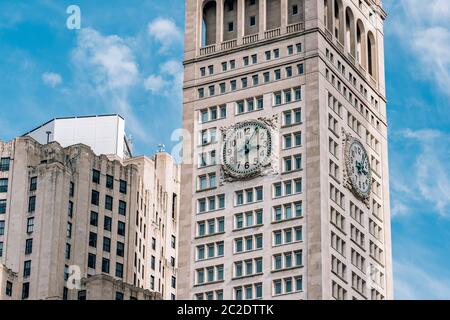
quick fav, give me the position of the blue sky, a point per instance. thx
(127, 59)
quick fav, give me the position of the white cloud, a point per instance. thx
(168, 81)
(424, 28)
(431, 170)
(414, 283)
(166, 32)
(52, 79)
(107, 66)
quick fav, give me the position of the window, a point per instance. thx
(224, 66)
(108, 203)
(106, 244)
(70, 209)
(71, 189)
(9, 287)
(82, 295)
(121, 228)
(211, 70)
(276, 53)
(222, 87)
(119, 295)
(120, 250)
(300, 69)
(1, 249)
(33, 184)
(92, 239)
(94, 219)
(92, 259)
(290, 50)
(30, 225)
(2, 206)
(4, 164)
(201, 93)
(173, 242)
(252, 21)
(3, 185)
(245, 61)
(230, 26)
(96, 176)
(123, 187)
(105, 265)
(27, 268)
(28, 246)
(95, 197)
(119, 270)
(32, 204)
(232, 64)
(211, 90)
(109, 182)
(202, 71)
(107, 225)
(174, 282)
(268, 55)
(277, 74)
(25, 290)
(254, 59)
(295, 10)
(266, 76)
(122, 207)
(288, 72)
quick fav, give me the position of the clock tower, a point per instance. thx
(285, 183)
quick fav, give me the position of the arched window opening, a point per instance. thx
(251, 17)
(273, 14)
(360, 44)
(230, 14)
(371, 51)
(339, 21)
(350, 32)
(295, 11)
(209, 23)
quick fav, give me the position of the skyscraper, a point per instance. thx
(285, 185)
(67, 213)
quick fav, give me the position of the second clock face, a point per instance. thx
(359, 168)
(247, 148)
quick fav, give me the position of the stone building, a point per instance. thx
(76, 225)
(285, 186)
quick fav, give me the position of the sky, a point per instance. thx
(127, 59)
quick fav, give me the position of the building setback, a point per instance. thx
(68, 209)
(285, 186)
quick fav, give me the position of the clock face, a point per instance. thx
(247, 148)
(359, 170)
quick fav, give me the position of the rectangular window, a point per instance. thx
(68, 251)
(92, 239)
(122, 207)
(277, 74)
(121, 228)
(3, 185)
(119, 270)
(123, 187)
(92, 259)
(96, 176)
(30, 225)
(33, 184)
(4, 164)
(107, 224)
(1, 249)
(95, 197)
(71, 189)
(2, 206)
(109, 182)
(108, 203)
(289, 72)
(105, 265)
(32, 204)
(266, 76)
(120, 250)
(70, 209)
(28, 246)
(25, 290)
(9, 288)
(27, 268)
(106, 244)
(94, 219)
